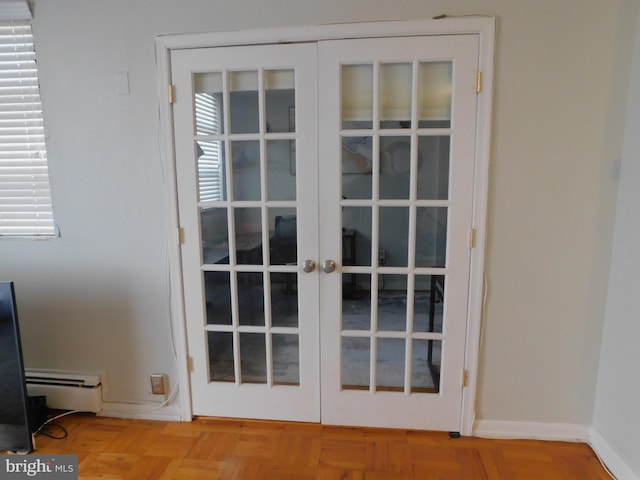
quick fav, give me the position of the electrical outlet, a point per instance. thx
(382, 257)
(158, 386)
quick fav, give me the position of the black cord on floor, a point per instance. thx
(46, 433)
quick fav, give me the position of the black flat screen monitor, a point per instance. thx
(15, 433)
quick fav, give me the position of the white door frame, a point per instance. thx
(484, 27)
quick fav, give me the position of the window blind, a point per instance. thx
(210, 152)
(25, 196)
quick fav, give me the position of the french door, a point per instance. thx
(325, 194)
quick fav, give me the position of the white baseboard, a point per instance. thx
(144, 411)
(567, 432)
(610, 457)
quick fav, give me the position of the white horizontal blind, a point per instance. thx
(25, 197)
(210, 152)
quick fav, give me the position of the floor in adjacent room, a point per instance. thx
(109, 448)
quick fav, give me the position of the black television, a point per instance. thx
(15, 430)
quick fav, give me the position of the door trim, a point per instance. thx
(484, 27)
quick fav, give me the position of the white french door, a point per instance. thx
(325, 192)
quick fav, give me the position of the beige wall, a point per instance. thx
(97, 297)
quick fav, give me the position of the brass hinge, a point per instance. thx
(172, 94)
(465, 378)
(180, 235)
(472, 237)
(190, 364)
(479, 82)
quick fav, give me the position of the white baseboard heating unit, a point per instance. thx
(66, 390)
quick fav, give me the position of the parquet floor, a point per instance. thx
(110, 448)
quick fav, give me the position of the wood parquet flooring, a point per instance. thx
(110, 448)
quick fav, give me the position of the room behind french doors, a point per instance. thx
(325, 191)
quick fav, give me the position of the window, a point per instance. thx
(25, 196)
(210, 151)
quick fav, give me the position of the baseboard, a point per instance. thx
(141, 411)
(616, 465)
(567, 432)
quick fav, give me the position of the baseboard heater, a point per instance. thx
(66, 390)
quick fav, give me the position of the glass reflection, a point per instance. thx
(357, 96)
(394, 235)
(395, 95)
(280, 100)
(281, 169)
(248, 226)
(211, 171)
(390, 361)
(356, 353)
(284, 299)
(286, 359)
(428, 303)
(356, 306)
(283, 242)
(356, 223)
(245, 157)
(434, 94)
(243, 99)
(209, 104)
(357, 165)
(217, 287)
(250, 298)
(392, 303)
(425, 366)
(253, 358)
(431, 236)
(221, 364)
(395, 167)
(433, 172)
(215, 235)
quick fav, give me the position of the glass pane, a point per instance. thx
(431, 236)
(209, 103)
(357, 164)
(390, 364)
(286, 359)
(434, 94)
(243, 98)
(211, 171)
(425, 366)
(281, 169)
(393, 235)
(245, 158)
(284, 299)
(433, 171)
(248, 223)
(355, 363)
(357, 96)
(428, 303)
(220, 346)
(358, 220)
(395, 167)
(215, 235)
(392, 303)
(217, 288)
(253, 358)
(395, 95)
(280, 100)
(283, 236)
(356, 307)
(250, 298)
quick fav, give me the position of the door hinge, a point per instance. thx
(465, 378)
(172, 94)
(479, 82)
(180, 235)
(472, 237)
(190, 364)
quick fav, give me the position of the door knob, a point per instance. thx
(328, 266)
(308, 266)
